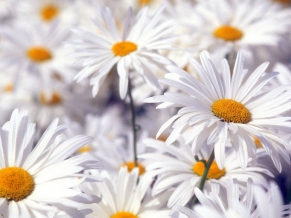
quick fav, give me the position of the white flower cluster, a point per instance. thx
(80, 136)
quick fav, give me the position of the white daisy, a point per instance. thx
(44, 178)
(227, 110)
(255, 203)
(176, 166)
(34, 50)
(216, 206)
(47, 11)
(123, 197)
(133, 50)
(224, 27)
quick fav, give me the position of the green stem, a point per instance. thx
(205, 173)
(133, 125)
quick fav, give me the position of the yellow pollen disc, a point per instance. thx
(15, 183)
(8, 87)
(123, 214)
(231, 111)
(213, 173)
(54, 99)
(49, 12)
(123, 48)
(144, 2)
(130, 167)
(85, 149)
(39, 54)
(228, 33)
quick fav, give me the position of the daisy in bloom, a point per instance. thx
(34, 50)
(227, 109)
(41, 179)
(176, 166)
(255, 203)
(223, 27)
(135, 49)
(214, 205)
(122, 197)
(47, 11)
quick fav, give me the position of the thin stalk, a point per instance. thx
(133, 125)
(205, 173)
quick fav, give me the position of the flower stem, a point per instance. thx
(205, 173)
(133, 125)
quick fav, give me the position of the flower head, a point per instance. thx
(136, 49)
(175, 166)
(227, 109)
(123, 197)
(44, 178)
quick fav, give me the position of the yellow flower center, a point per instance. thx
(49, 12)
(123, 214)
(228, 33)
(123, 48)
(15, 183)
(39, 54)
(131, 166)
(231, 111)
(85, 149)
(144, 2)
(213, 173)
(55, 99)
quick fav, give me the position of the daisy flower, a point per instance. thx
(34, 50)
(135, 49)
(123, 197)
(176, 166)
(36, 180)
(227, 109)
(47, 11)
(255, 203)
(224, 27)
(214, 205)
